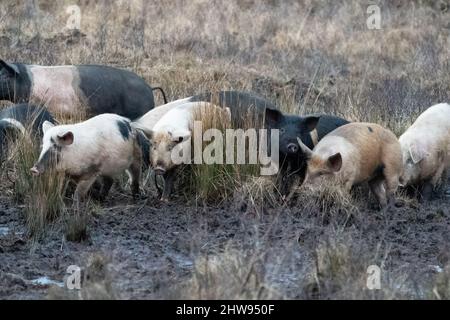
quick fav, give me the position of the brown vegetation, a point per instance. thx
(242, 240)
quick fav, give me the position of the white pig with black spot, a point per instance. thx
(103, 146)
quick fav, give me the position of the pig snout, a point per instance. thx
(160, 171)
(292, 148)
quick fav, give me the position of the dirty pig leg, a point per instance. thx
(169, 177)
(159, 190)
(82, 190)
(426, 193)
(439, 179)
(391, 183)
(377, 187)
(107, 184)
(135, 174)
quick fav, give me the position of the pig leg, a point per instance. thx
(107, 184)
(158, 188)
(439, 178)
(135, 174)
(430, 185)
(444, 181)
(377, 187)
(391, 184)
(169, 177)
(426, 193)
(82, 189)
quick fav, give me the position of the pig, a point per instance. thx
(426, 150)
(309, 128)
(173, 129)
(246, 107)
(103, 146)
(357, 153)
(21, 119)
(148, 121)
(69, 90)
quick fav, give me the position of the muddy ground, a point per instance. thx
(148, 252)
(308, 56)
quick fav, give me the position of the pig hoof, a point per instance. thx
(164, 200)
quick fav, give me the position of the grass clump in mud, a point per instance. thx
(216, 178)
(232, 274)
(325, 200)
(347, 269)
(42, 196)
(257, 194)
(96, 282)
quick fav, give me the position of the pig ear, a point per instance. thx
(307, 151)
(418, 153)
(179, 137)
(11, 68)
(310, 123)
(66, 139)
(335, 162)
(46, 126)
(273, 116)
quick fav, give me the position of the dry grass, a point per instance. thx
(257, 194)
(341, 272)
(307, 56)
(43, 198)
(232, 274)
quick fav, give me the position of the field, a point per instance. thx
(231, 235)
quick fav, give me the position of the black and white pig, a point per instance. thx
(21, 119)
(310, 128)
(103, 146)
(69, 90)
